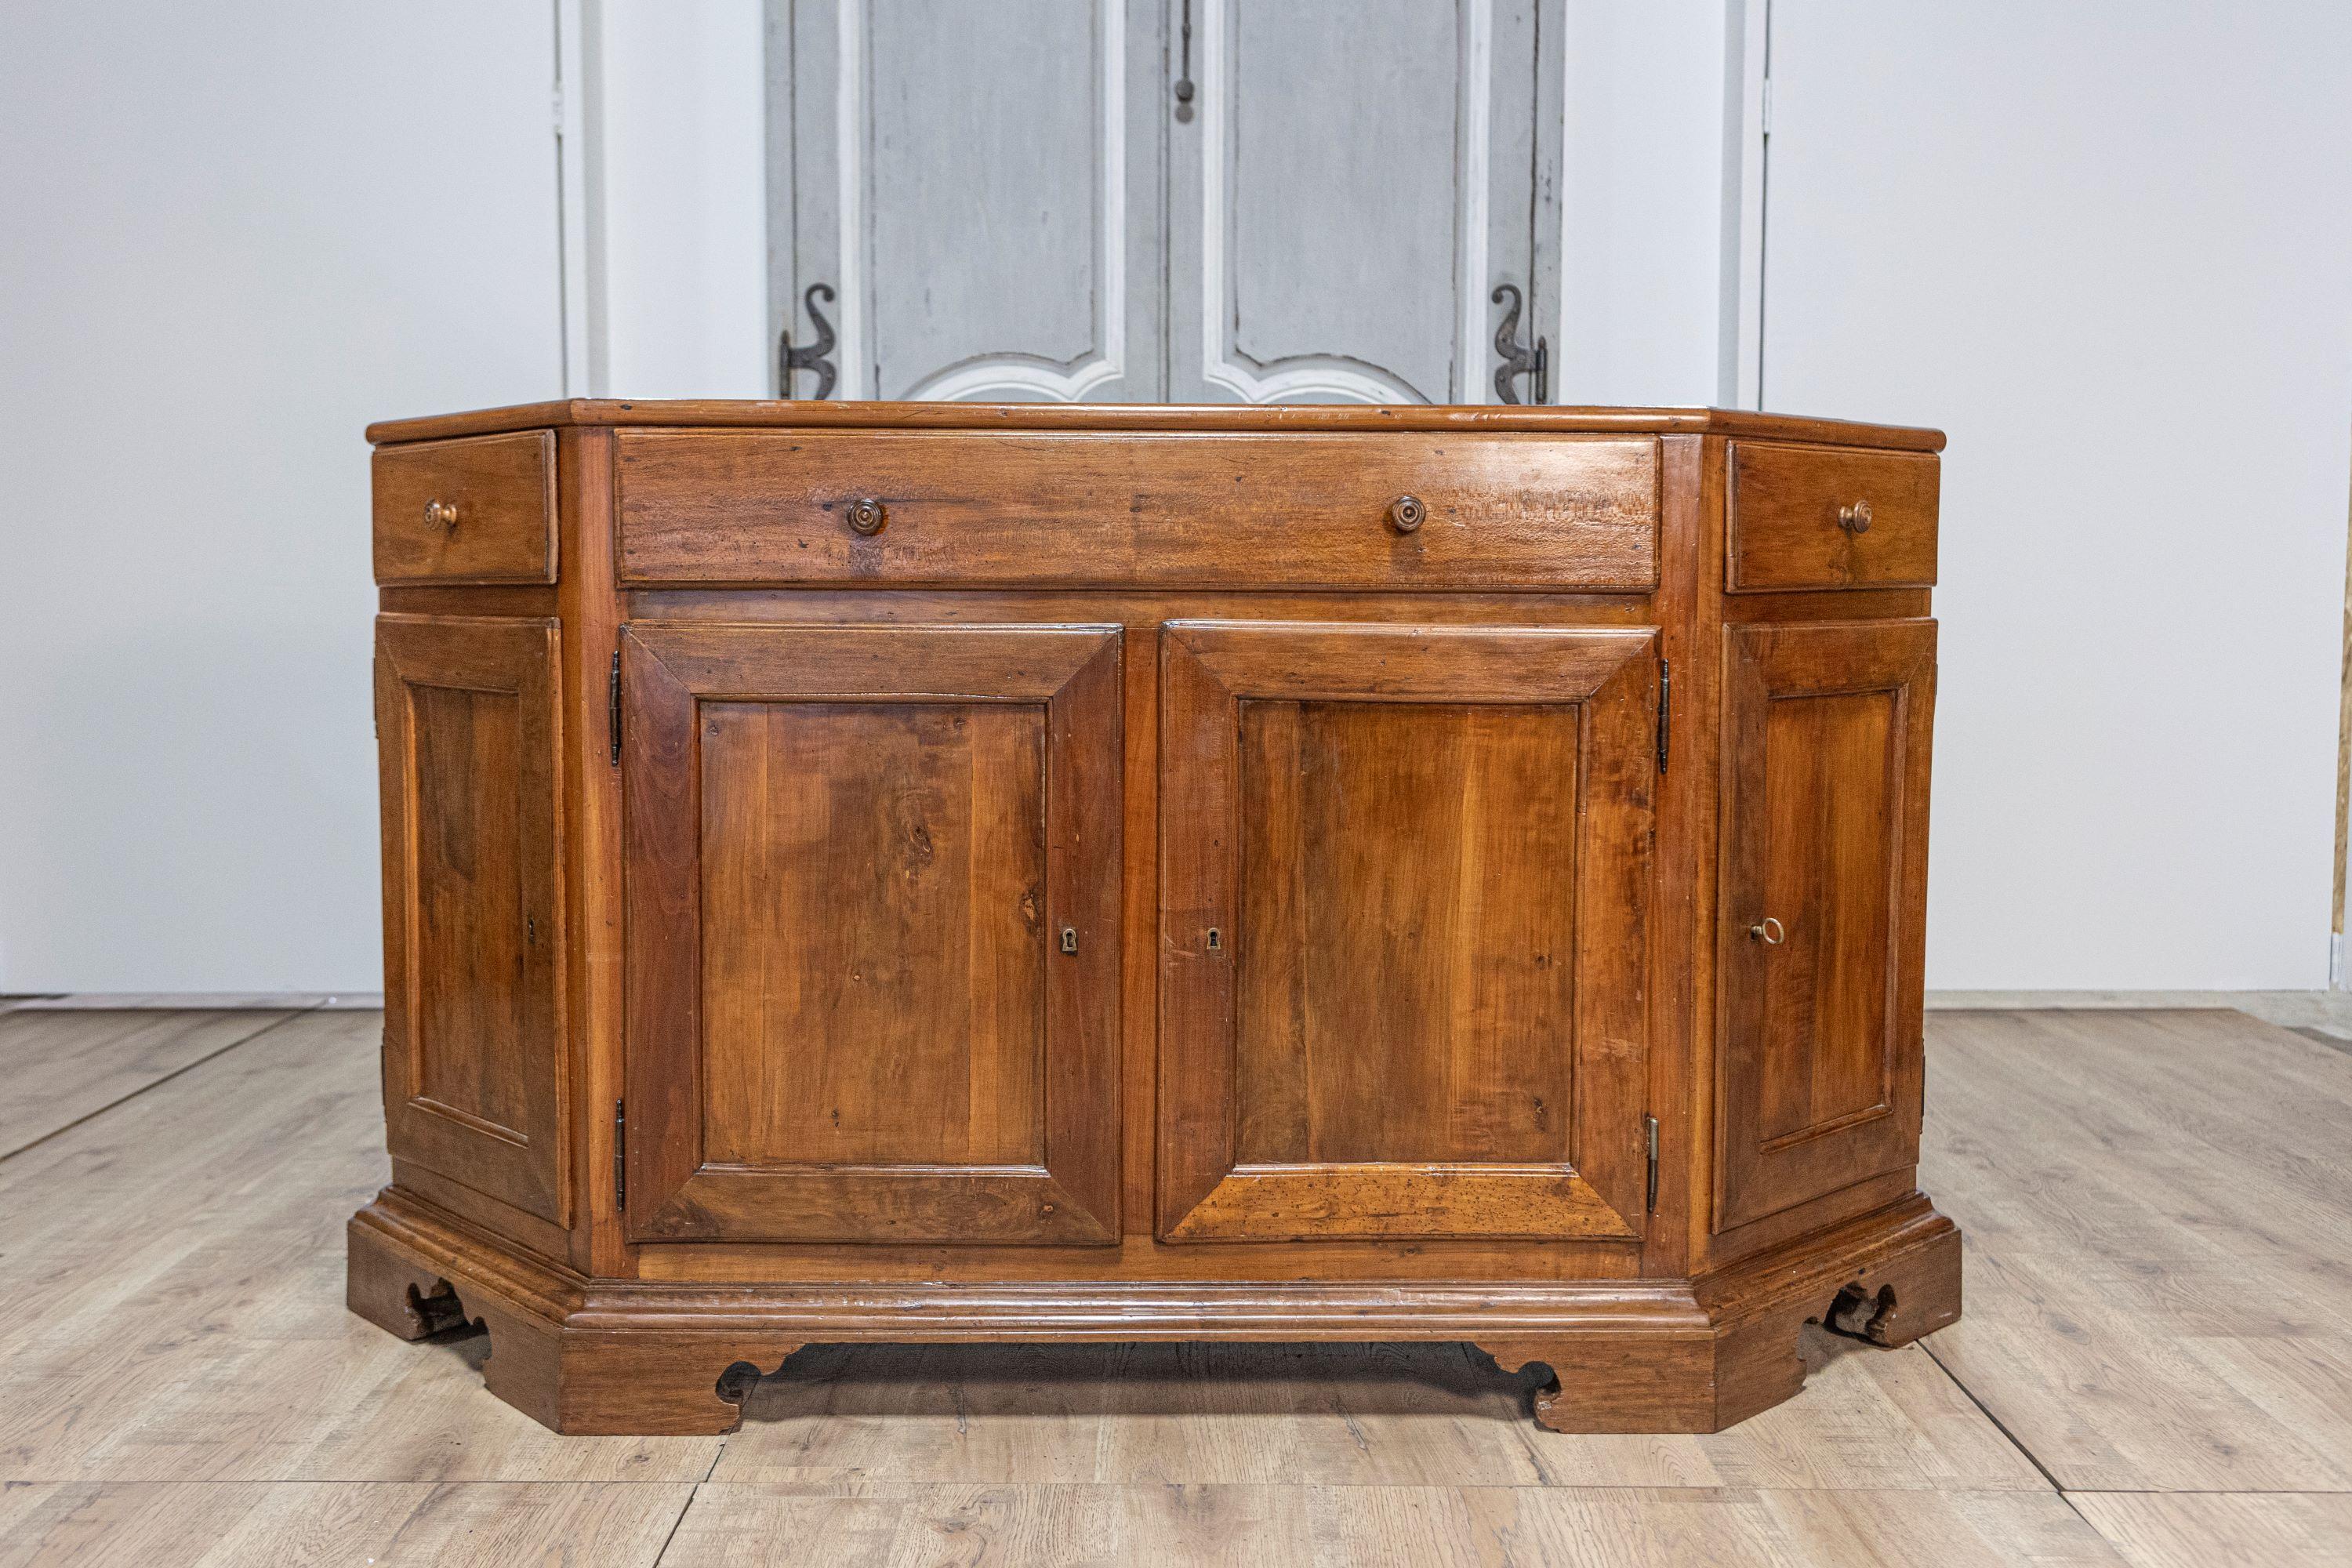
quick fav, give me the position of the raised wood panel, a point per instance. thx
(1825, 817)
(1794, 512)
(499, 525)
(1408, 889)
(852, 856)
(1424, 856)
(874, 949)
(1261, 511)
(475, 1079)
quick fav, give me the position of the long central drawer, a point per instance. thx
(1335, 511)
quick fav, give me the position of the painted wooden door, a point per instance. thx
(963, 198)
(872, 884)
(467, 732)
(1405, 875)
(1162, 200)
(1821, 923)
(1360, 179)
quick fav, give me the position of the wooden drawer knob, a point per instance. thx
(1855, 519)
(1406, 512)
(441, 514)
(867, 515)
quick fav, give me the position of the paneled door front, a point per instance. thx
(467, 731)
(1821, 923)
(1406, 873)
(872, 883)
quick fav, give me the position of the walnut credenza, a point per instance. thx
(931, 872)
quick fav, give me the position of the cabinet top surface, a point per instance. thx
(1110, 416)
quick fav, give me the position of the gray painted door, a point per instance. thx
(1360, 177)
(1021, 201)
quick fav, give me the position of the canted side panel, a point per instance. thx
(1823, 845)
(474, 931)
(471, 1022)
(874, 945)
(1408, 918)
(1829, 798)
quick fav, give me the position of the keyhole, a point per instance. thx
(1216, 939)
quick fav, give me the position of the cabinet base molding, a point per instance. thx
(633, 1358)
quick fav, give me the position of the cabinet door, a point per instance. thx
(467, 730)
(1405, 875)
(1019, 139)
(873, 893)
(1824, 898)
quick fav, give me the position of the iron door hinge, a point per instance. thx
(613, 706)
(1649, 1200)
(1531, 360)
(1665, 708)
(791, 357)
(621, 1156)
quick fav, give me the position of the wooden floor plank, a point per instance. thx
(2156, 1208)
(871, 1525)
(300, 1525)
(2224, 1529)
(172, 1308)
(59, 1067)
(1342, 1415)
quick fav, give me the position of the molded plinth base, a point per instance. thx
(626, 1357)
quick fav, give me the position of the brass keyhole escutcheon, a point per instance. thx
(1855, 519)
(1406, 512)
(867, 515)
(441, 513)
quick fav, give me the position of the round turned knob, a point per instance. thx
(867, 515)
(1855, 519)
(1406, 512)
(1768, 931)
(441, 513)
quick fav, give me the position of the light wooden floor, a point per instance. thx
(2155, 1368)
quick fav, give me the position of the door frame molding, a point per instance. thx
(1207, 669)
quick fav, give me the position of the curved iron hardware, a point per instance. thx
(816, 356)
(1184, 71)
(1531, 362)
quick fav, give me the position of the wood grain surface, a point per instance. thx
(1509, 511)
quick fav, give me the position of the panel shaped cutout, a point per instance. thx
(1408, 883)
(466, 757)
(1831, 788)
(875, 875)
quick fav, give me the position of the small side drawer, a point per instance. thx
(1370, 511)
(1829, 517)
(480, 510)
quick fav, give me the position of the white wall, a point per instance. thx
(2109, 248)
(685, 184)
(1641, 214)
(235, 234)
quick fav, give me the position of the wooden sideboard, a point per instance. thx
(872, 871)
